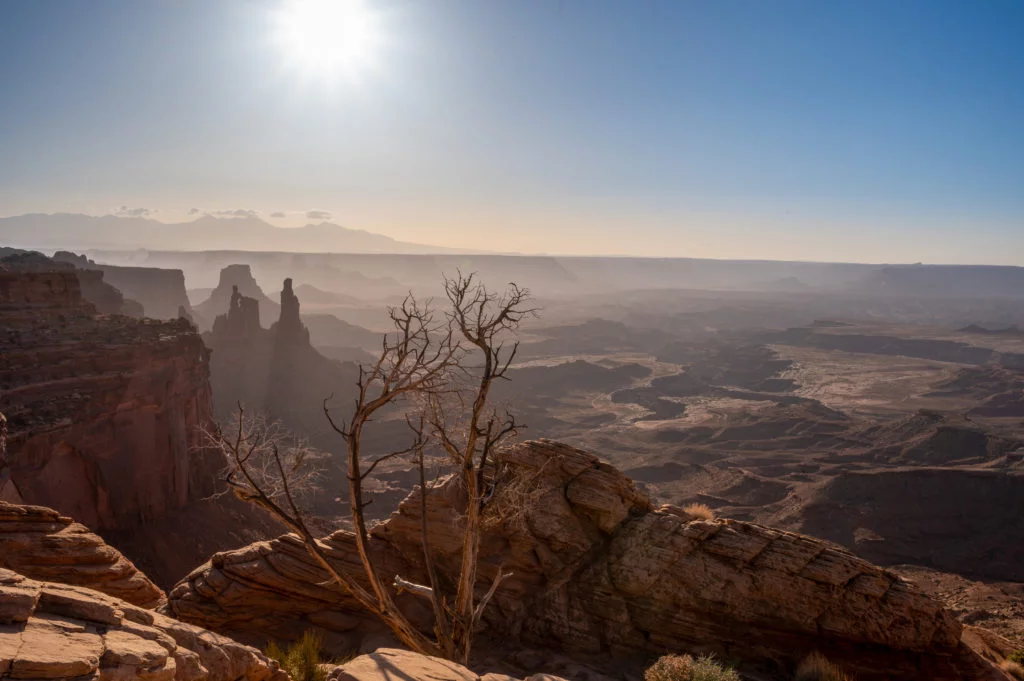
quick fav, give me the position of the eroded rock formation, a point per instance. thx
(106, 298)
(57, 631)
(275, 370)
(103, 412)
(160, 292)
(103, 418)
(236, 279)
(598, 570)
(42, 544)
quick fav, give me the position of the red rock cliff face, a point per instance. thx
(102, 411)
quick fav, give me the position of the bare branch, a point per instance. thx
(417, 589)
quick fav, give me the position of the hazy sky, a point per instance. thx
(817, 129)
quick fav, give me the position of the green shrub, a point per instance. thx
(302, 659)
(1016, 656)
(685, 668)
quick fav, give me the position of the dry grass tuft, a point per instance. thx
(685, 668)
(301, 659)
(1012, 668)
(699, 512)
(816, 667)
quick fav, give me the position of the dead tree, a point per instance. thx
(485, 323)
(429, 361)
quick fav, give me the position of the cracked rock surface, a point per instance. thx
(40, 543)
(59, 631)
(598, 570)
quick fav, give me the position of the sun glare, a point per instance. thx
(328, 37)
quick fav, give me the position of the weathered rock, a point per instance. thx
(103, 412)
(106, 298)
(158, 292)
(598, 570)
(69, 632)
(104, 419)
(387, 664)
(235, 279)
(275, 370)
(273, 589)
(42, 544)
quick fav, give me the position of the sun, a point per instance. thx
(329, 37)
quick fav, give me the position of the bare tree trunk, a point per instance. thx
(422, 359)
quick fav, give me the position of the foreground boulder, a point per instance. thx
(597, 570)
(57, 631)
(40, 543)
(386, 664)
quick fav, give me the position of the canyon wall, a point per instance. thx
(103, 412)
(161, 292)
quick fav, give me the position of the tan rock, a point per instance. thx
(598, 570)
(77, 633)
(42, 544)
(387, 664)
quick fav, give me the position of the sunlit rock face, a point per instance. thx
(598, 570)
(58, 631)
(40, 543)
(103, 412)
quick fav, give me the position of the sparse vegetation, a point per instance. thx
(686, 668)
(301, 659)
(1012, 667)
(443, 367)
(1016, 656)
(816, 667)
(699, 511)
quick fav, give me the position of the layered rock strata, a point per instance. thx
(57, 631)
(160, 292)
(42, 544)
(598, 570)
(103, 412)
(105, 297)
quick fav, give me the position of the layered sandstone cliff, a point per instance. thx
(160, 292)
(57, 631)
(103, 412)
(42, 544)
(598, 571)
(104, 297)
(104, 418)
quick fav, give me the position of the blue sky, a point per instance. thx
(826, 130)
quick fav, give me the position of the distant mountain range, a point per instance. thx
(78, 232)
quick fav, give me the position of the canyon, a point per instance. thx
(853, 469)
(104, 418)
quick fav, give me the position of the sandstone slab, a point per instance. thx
(40, 543)
(598, 570)
(71, 632)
